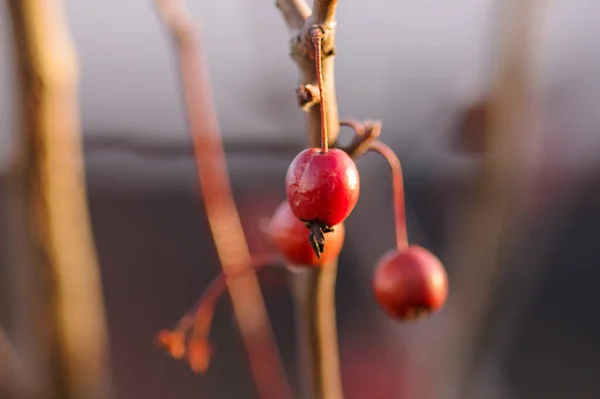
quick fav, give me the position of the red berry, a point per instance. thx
(410, 283)
(322, 187)
(290, 236)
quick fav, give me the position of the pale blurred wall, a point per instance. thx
(432, 59)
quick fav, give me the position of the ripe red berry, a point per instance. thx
(290, 237)
(410, 284)
(322, 186)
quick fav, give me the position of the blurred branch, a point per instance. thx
(12, 375)
(295, 12)
(223, 218)
(51, 164)
(314, 289)
(519, 286)
(491, 224)
(317, 346)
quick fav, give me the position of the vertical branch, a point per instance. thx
(223, 218)
(314, 296)
(55, 184)
(302, 51)
(484, 239)
(314, 289)
(13, 381)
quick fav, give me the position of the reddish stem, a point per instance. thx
(317, 40)
(398, 186)
(199, 318)
(205, 306)
(223, 218)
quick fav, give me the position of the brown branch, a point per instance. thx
(314, 289)
(302, 51)
(317, 345)
(224, 220)
(324, 12)
(53, 168)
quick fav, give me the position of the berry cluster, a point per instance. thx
(307, 230)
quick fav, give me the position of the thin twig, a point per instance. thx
(366, 133)
(314, 289)
(224, 220)
(53, 169)
(295, 12)
(398, 186)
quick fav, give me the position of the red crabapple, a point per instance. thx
(410, 283)
(322, 186)
(322, 190)
(289, 236)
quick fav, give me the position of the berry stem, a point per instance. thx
(317, 40)
(218, 202)
(204, 308)
(199, 319)
(398, 187)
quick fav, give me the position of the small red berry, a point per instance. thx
(290, 237)
(410, 284)
(321, 186)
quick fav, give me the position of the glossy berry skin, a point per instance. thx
(410, 284)
(290, 237)
(322, 186)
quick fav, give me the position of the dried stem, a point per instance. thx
(318, 68)
(224, 220)
(487, 234)
(398, 185)
(202, 312)
(52, 166)
(196, 323)
(314, 289)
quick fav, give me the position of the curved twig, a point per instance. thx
(366, 133)
(221, 211)
(398, 186)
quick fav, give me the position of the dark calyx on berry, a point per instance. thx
(316, 236)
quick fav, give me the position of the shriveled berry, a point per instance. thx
(322, 186)
(290, 237)
(198, 355)
(410, 284)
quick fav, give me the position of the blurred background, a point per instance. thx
(417, 66)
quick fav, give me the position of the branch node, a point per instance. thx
(325, 32)
(307, 95)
